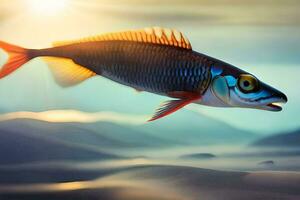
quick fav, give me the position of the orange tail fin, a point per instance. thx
(18, 56)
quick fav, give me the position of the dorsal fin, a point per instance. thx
(154, 35)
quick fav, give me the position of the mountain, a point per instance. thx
(290, 139)
(20, 145)
(128, 135)
(100, 135)
(192, 128)
(187, 128)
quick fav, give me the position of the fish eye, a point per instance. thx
(248, 83)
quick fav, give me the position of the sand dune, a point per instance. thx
(167, 182)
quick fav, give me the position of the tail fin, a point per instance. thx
(18, 56)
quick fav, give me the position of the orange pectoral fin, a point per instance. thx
(173, 105)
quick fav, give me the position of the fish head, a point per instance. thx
(236, 88)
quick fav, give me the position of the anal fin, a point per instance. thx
(171, 106)
(66, 72)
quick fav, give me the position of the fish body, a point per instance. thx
(155, 60)
(146, 67)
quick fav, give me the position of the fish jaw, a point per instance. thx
(275, 104)
(273, 100)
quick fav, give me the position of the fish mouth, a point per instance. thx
(276, 104)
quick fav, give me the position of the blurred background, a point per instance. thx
(261, 37)
(50, 134)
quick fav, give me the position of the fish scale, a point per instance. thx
(155, 68)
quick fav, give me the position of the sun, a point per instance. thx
(47, 7)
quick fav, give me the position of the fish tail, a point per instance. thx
(66, 72)
(17, 56)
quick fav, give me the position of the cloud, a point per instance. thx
(66, 116)
(217, 12)
(208, 12)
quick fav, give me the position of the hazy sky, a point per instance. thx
(260, 36)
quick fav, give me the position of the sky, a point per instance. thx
(259, 36)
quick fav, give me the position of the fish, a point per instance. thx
(156, 60)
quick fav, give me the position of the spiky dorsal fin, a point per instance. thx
(154, 35)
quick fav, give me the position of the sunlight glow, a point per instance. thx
(65, 116)
(47, 7)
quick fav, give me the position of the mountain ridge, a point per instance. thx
(287, 139)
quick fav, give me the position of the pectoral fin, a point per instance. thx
(171, 106)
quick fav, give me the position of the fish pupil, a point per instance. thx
(246, 83)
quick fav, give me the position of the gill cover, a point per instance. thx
(220, 89)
